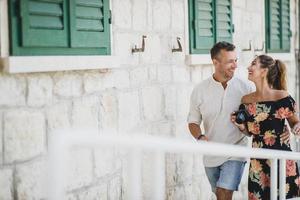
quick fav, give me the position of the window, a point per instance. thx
(209, 22)
(59, 27)
(278, 25)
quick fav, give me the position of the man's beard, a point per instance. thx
(227, 75)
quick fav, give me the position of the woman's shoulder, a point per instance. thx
(275, 96)
(280, 94)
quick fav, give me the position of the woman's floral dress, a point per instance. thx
(266, 124)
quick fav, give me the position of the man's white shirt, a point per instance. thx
(211, 104)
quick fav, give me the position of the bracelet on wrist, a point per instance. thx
(200, 136)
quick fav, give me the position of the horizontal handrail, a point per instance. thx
(176, 145)
(61, 141)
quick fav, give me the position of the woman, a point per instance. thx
(268, 107)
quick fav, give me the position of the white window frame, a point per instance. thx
(26, 64)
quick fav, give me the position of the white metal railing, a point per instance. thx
(61, 142)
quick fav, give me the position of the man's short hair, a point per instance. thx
(216, 49)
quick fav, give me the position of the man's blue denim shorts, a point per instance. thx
(227, 176)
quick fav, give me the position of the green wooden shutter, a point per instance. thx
(201, 25)
(274, 24)
(223, 21)
(210, 22)
(285, 28)
(43, 23)
(204, 25)
(90, 23)
(278, 25)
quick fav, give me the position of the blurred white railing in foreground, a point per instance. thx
(61, 142)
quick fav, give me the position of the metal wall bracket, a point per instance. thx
(179, 49)
(262, 48)
(250, 47)
(142, 49)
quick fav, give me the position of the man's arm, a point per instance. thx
(196, 132)
(195, 117)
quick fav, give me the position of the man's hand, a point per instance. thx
(196, 132)
(285, 136)
(296, 129)
(202, 138)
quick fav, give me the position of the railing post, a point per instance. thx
(159, 176)
(134, 172)
(57, 166)
(282, 179)
(274, 178)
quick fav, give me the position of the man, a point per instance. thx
(212, 101)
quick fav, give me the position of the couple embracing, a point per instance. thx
(266, 108)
